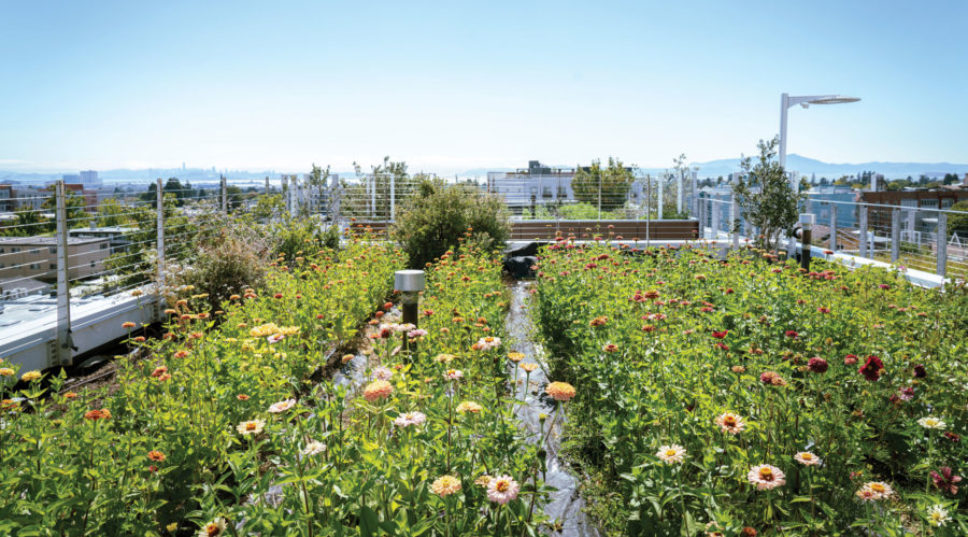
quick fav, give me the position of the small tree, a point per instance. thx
(439, 215)
(765, 195)
(958, 223)
(608, 186)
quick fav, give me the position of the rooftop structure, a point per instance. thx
(36, 257)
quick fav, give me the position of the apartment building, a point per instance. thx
(36, 257)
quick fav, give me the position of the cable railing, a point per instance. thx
(905, 236)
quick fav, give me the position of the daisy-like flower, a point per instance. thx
(281, 406)
(730, 423)
(938, 516)
(445, 485)
(31, 376)
(314, 447)
(156, 456)
(469, 406)
(382, 373)
(807, 459)
(483, 481)
(275, 338)
(6, 372)
(444, 358)
(502, 489)
(560, 391)
(453, 374)
(515, 356)
(673, 454)
(488, 343)
(378, 389)
(410, 418)
(529, 367)
(930, 422)
(252, 427)
(213, 528)
(875, 490)
(418, 333)
(766, 477)
(610, 347)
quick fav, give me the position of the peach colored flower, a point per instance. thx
(378, 389)
(560, 391)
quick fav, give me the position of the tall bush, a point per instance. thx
(440, 215)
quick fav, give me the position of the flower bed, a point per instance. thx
(745, 395)
(227, 430)
(139, 457)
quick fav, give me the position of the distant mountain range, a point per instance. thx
(808, 166)
(713, 168)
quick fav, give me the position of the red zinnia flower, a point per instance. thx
(850, 359)
(792, 334)
(817, 364)
(946, 480)
(277, 295)
(872, 368)
(919, 371)
(720, 335)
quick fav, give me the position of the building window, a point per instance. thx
(92, 263)
(2, 265)
(104, 246)
(52, 249)
(35, 251)
(53, 266)
(34, 266)
(931, 204)
(947, 202)
(1, 250)
(14, 250)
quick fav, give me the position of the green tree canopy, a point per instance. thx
(608, 185)
(765, 195)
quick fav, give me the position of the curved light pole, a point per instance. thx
(786, 101)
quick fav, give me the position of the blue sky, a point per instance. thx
(449, 86)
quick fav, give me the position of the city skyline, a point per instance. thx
(239, 86)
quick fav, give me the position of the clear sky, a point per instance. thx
(454, 85)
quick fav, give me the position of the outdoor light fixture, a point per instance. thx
(786, 101)
(409, 283)
(806, 232)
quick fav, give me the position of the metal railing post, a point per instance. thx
(833, 227)
(267, 185)
(714, 225)
(64, 342)
(160, 242)
(895, 235)
(942, 241)
(862, 231)
(659, 212)
(393, 198)
(679, 192)
(734, 219)
(225, 195)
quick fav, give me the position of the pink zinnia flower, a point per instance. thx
(766, 477)
(502, 489)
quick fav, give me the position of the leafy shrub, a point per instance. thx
(439, 216)
(662, 345)
(220, 270)
(293, 237)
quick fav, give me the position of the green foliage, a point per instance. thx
(691, 338)
(765, 195)
(110, 213)
(606, 186)
(357, 199)
(958, 223)
(440, 215)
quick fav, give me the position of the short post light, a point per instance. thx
(409, 283)
(806, 235)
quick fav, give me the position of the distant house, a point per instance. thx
(36, 257)
(910, 202)
(543, 184)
